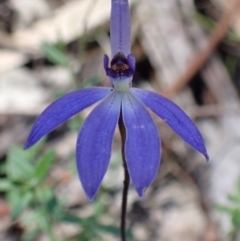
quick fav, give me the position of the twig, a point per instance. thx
(202, 56)
(213, 110)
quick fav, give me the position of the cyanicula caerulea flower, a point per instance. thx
(94, 143)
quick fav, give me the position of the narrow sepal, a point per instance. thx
(142, 146)
(120, 27)
(94, 143)
(62, 109)
(174, 116)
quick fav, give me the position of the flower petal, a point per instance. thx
(120, 27)
(131, 62)
(94, 143)
(174, 116)
(142, 146)
(62, 109)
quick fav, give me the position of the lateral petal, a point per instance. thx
(174, 116)
(94, 143)
(142, 146)
(120, 27)
(62, 109)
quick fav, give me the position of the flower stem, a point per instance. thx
(125, 182)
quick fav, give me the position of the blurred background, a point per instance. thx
(187, 50)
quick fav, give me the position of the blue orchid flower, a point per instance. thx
(94, 143)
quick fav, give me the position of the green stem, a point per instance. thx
(125, 182)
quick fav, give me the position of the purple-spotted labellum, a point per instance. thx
(94, 143)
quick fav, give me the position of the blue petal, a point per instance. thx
(94, 143)
(142, 146)
(105, 63)
(174, 116)
(120, 27)
(62, 109)
(131, 62)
